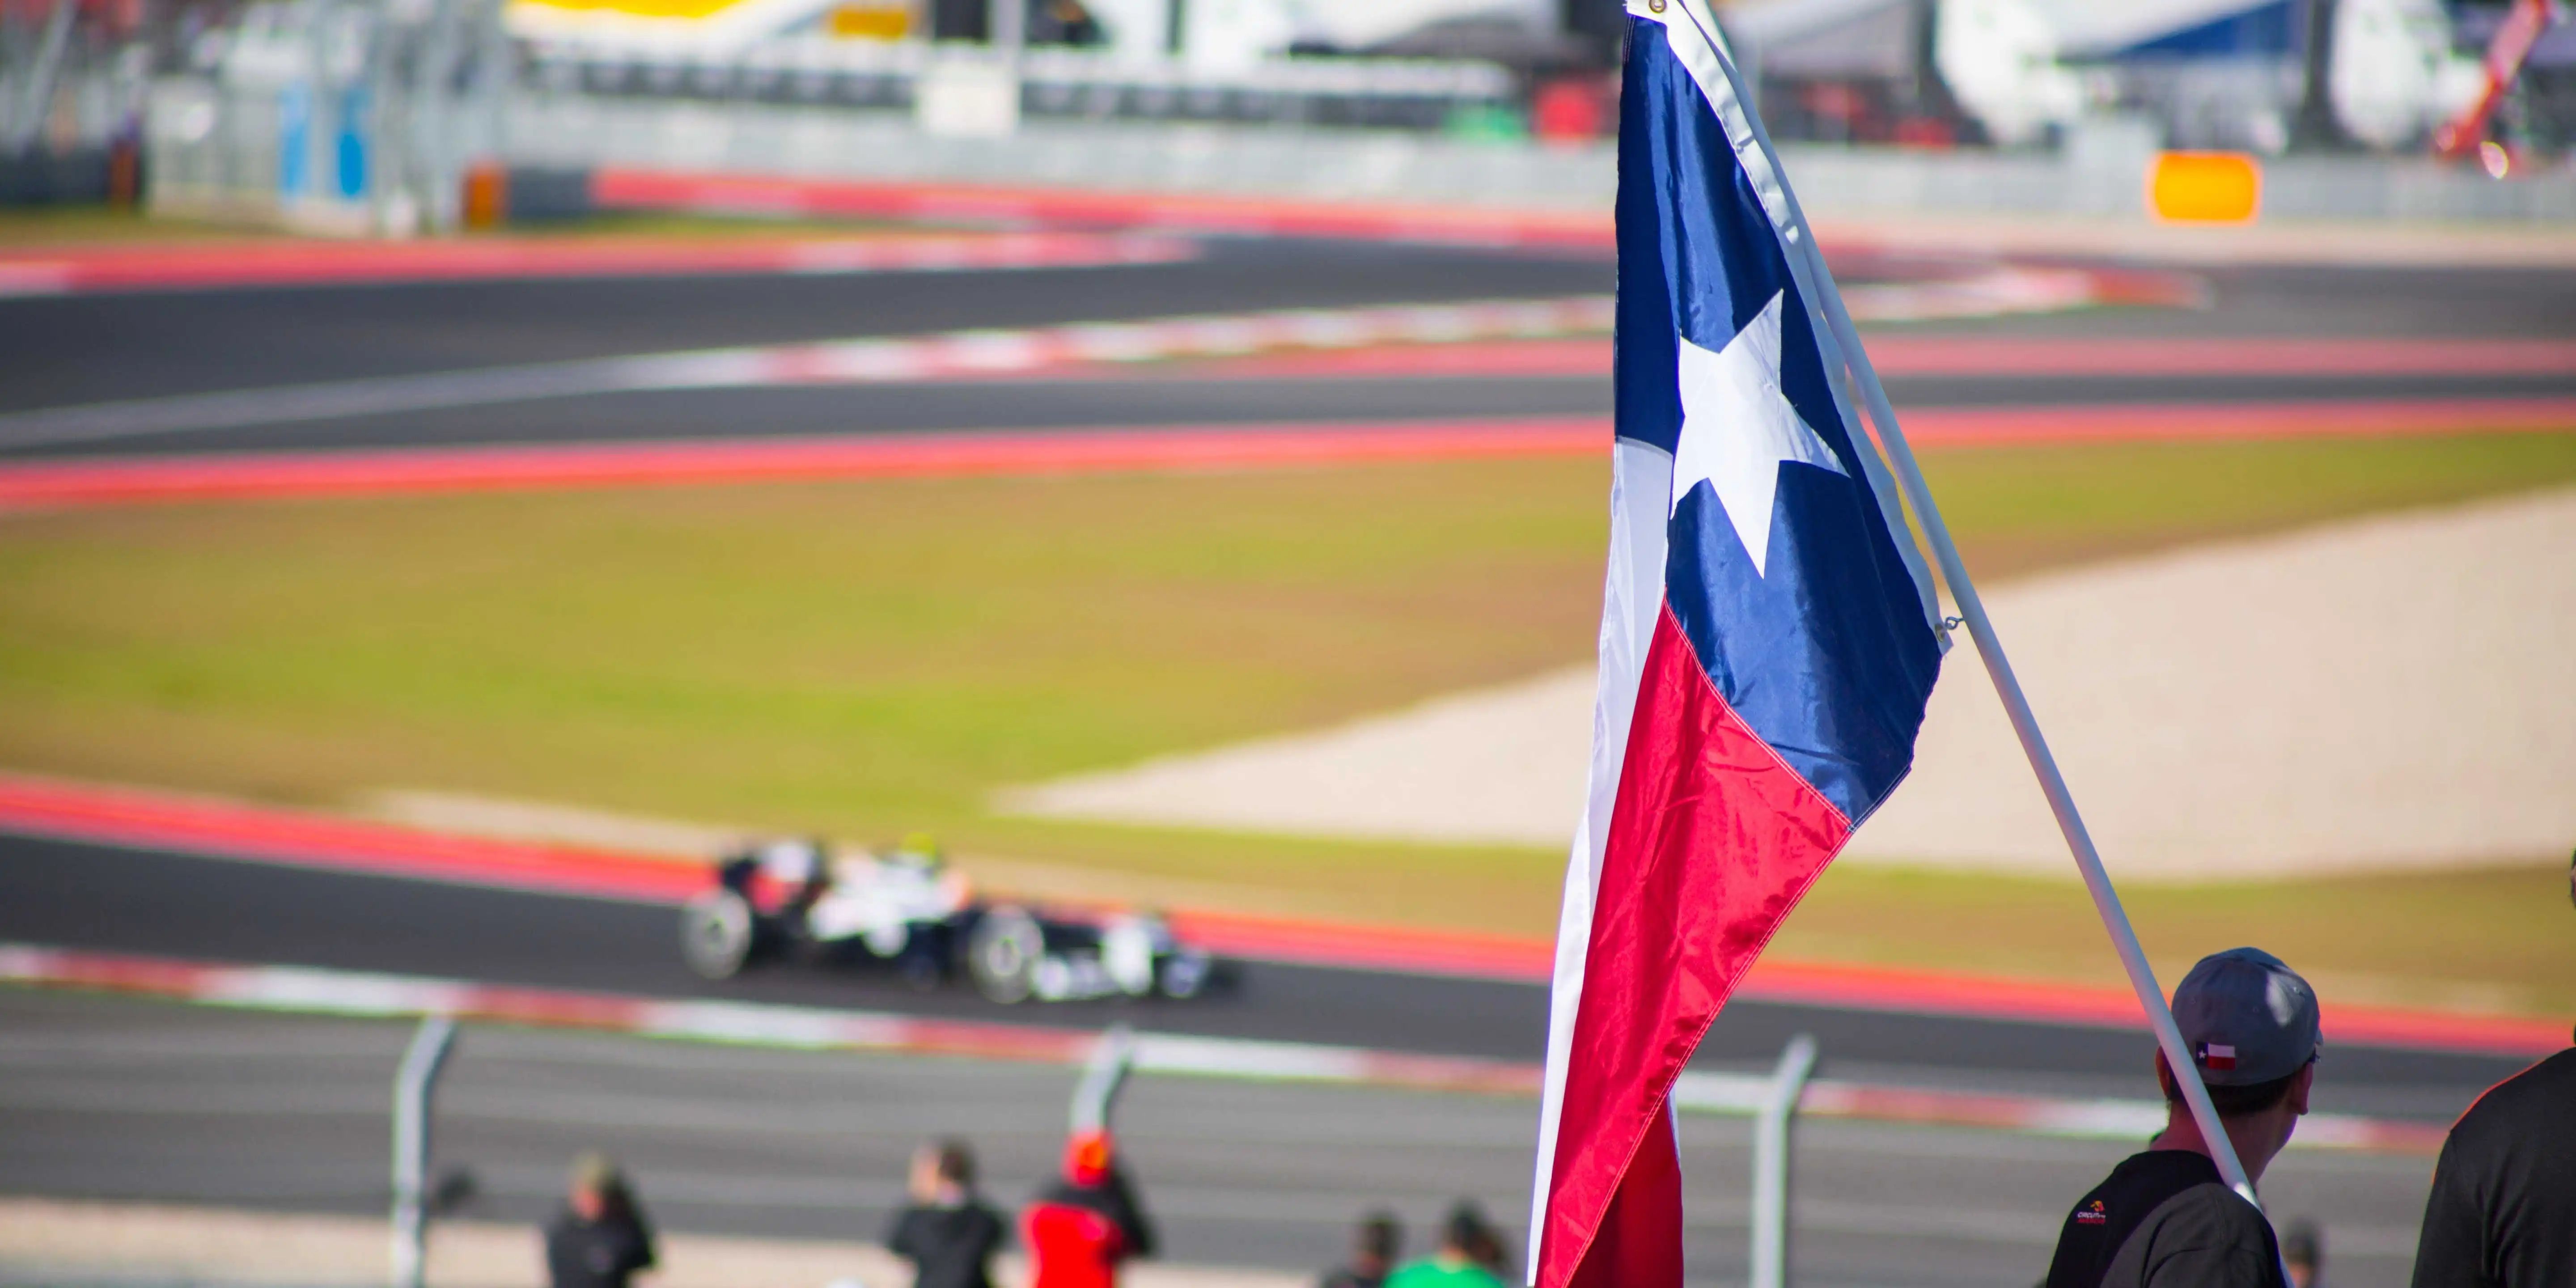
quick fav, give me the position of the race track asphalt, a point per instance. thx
(79, 350)
(82, 348)
(119, 1098)
(1092, 402)
(77, 895)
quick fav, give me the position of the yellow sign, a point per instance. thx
(664, 9)
(2205, 187)
(866, 21)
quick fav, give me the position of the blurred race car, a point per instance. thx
(908, 911)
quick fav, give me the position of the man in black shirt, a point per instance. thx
(2164, 1219)
(948, 1234)
(2503, 1208)
(600, 1239)
(1372, 1253)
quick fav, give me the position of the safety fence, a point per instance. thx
(380, 996)
(1772, 1099)
(1380, 93)
(207, 140)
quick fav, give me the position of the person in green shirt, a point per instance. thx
(1468, 1252)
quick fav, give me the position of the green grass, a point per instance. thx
(25, 228)
(2500, 939)
(866, 658)
(846, 656)
(2016, 509)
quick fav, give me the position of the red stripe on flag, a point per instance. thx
(1712, 841)
(1640, 1240)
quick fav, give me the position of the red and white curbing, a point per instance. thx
(956, 355)
(346, 993)
(1996, 291)
(738, 194)
(2007, 290)
(966, 354)
(82, 270)
(82, 481)
(1086, 348)
(148, 480)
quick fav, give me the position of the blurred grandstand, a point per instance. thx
(368, 113)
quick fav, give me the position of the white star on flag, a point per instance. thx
(1738, 429)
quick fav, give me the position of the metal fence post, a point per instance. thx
(1102, 1078)
(1771, 1163)
(27, 125)
(420, 1065)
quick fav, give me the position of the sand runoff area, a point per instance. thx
(2387, 694)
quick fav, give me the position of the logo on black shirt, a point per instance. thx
(2092, 1214)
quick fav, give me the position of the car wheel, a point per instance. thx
(716, 933)
(1185, 974)
(1004, 953)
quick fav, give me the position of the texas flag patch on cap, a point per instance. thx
(2217, 1058)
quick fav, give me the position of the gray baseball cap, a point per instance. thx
(2246, 1018)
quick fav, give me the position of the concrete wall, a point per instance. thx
(207, 144)
(2099, 172)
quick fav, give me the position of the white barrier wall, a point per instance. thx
(208, 143)
(2101, 171)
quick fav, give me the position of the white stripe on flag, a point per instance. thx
(1632, 595)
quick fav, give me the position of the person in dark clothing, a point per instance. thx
(2303, 1254)
(1483, 1243)
(1087, 1223)
(601, 1238)
(2503, 1209)
(1062, 22)
(948, 1234)
(1469, 1256)
(1373, 1253)
(2164, 1219)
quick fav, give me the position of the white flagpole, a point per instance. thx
(2061, 802)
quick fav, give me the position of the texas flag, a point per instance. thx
(1769, 636)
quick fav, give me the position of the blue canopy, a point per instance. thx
(2091, 31)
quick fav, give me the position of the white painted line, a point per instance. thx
(1200, 1057)
(1720, 1093)
(741, 1025)
(288, 988)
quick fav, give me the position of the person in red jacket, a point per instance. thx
(1082, 1228)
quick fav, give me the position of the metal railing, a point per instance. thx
(413, 1082)
(1383, 93)
(1107, 1068)
(341, 115)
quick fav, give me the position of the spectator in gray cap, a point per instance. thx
(2164, 1219)
(2503, 1209)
